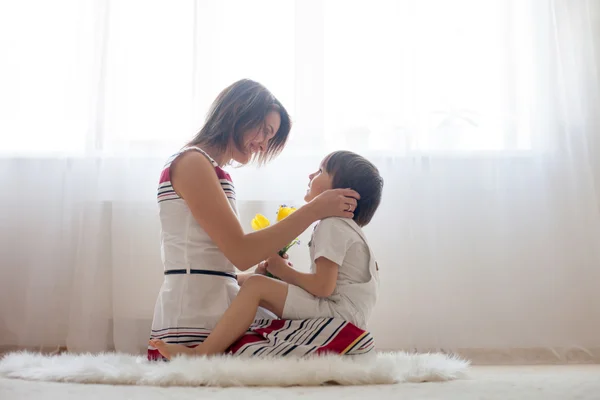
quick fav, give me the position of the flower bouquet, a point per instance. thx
(261, 222)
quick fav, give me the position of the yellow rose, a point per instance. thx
(260, 222)
(284, 212)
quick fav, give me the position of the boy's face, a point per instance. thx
(320, 181)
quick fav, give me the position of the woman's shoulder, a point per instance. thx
(190, 163)
(192, 170)
(196, 152)
(194, 160)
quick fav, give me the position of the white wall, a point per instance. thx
(465, 262)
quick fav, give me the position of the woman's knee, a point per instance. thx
(255, 281)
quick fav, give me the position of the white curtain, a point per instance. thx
(482, 116)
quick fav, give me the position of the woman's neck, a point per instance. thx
(220, 157)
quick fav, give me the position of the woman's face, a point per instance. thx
(320, 181)
(256, 140)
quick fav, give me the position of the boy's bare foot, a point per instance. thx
(168, 350)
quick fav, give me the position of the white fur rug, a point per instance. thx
(111, 368)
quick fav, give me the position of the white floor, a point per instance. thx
(489, 382)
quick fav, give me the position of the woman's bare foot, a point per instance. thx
(168, 350)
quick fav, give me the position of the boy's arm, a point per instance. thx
(321, 283)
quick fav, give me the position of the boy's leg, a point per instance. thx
(256, 291)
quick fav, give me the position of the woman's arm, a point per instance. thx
(321, 283)
(261, 269)
(194, 179)
(242, 277)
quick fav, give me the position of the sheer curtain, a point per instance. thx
(482, 116)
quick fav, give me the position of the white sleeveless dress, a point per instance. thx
(200, 282)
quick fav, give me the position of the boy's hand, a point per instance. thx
(261, 269)
(277, 265)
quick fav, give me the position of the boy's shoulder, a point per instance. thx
(337, 221)
(338, 225)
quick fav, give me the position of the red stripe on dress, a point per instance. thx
(185, 333)
(342, 340)
(275, 325)
(221, 174)
(166, 196)
(154, 354)
(165, 175)
(368, 344)
(247, 339)
(257, 335)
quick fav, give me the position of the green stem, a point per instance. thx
(281, 254)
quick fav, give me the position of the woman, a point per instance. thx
(201, 237)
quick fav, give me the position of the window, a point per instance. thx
(168, 62)
(427, 75)
(388, 76)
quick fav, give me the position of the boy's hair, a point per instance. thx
(349, 170)
(242, 106)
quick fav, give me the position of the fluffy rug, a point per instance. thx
(111, 368)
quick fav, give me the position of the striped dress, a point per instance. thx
(200, 283)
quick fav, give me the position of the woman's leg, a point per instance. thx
(256, 291)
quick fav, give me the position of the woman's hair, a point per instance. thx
(349, 170)
(240, 107)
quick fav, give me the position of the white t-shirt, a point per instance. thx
(335, 240)
(355, 293)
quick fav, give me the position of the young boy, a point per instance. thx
(343, 280)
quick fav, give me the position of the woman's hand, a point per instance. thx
(335, 203)
(261, 269)
(278, 266)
